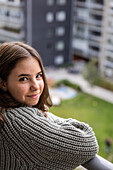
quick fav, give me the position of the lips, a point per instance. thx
(34, 96)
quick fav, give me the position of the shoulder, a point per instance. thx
(54, 118)
(23, 111)
(22, 114)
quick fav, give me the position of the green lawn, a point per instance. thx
(96, 112)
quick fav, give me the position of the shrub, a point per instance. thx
(92, 75)
(103, 82)
(90, 71)
(69, 84)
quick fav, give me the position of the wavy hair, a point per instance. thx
(10, 54)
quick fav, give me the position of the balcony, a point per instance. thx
(110, 30)
(94, 37)
(96, 12)
(4, 34)
(108, 64)
(4, 38)
(80, 4)
(109, 53)
(80, 34)
(80, 19)
(93, 53)
(13, 22)
(94, 43)
(80, 53)
(96, 6)
(109, 47)
(95, 28)
(90, 5)
(95, 21)
(90, 21)
(12, 4)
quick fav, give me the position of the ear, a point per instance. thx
(3, 85)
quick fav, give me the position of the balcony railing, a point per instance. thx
(96, 6)
(13, 4)
(80, 4)
(98, 163)
(109, 47)
(108, 64)
(93, 52)
(94, 37)
(11, 21)
(95, 21)
(108, 53)
(89, 5)
(12, 35)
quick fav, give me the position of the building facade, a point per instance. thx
(45, 25)
(11, 20)
(48, 29)
(93, 33)
(106, 52)
(59, 29)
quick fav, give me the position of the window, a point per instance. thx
(49, 46)
(99, 2)
(49, 17)
(61, 2)
(60, 31)
(7, 14)
(50, 33)
(60, 45)
(59, 59)
(61, 16)
(50, 2)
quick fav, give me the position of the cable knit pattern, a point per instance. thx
(30, 141)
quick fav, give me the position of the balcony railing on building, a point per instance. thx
(10, 36)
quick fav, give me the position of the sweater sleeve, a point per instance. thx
(60, 146)
(55, 119)
(61, 121)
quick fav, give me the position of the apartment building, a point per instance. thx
(45, 25)
(60, 28)
(93, 33)
(48, 29)
(11, 20)
(106, 52)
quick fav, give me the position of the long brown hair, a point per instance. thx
(10, 54)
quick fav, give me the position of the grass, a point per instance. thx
(94, 111)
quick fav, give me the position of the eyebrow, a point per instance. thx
(28, 74)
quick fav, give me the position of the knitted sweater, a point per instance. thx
(30, 141)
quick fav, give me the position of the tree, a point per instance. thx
(90, 71)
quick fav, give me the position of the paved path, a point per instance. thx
(60, 74)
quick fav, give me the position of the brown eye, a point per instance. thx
(39, 76)
(23, 79)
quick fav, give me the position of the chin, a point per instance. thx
(32, 104)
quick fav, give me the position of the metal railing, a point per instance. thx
(98, 163)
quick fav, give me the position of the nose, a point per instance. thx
(34, 85)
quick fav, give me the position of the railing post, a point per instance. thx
(98, 163)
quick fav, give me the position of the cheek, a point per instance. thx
(42, 85)
(17, 91)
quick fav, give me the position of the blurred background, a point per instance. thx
(76, 38)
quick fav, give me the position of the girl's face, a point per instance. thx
(25, 82)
